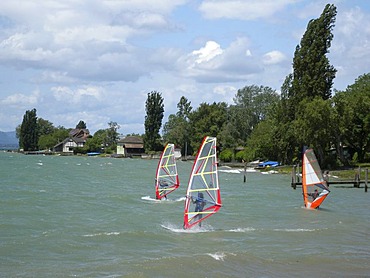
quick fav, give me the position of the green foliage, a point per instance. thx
(353, 117)
(95, 143)
(241, 156)
(296, 119)
(207, 120)
(314, 125)
(48, 141)
(28, 137)
(153, 121)
(44, 127)
(81, 125)
(177, 129)
(226, 155)
(312, 74)
(112, 134)
(252, 105)
(355, 158)
(261, 144)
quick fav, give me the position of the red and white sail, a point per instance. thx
(203, 182)
(314, 186)
(167, 178)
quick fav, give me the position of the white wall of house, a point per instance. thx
(68, 146)
(120, 149)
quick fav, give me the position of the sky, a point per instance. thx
(98, 60)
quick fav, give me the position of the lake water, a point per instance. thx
(95, 217)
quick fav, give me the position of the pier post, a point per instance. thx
(245, 171)
(366, 178)
(294, 177)
(326, 177)
(357, 178)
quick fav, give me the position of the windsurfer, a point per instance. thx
(162, 184)
(314, 195)
(199, 205)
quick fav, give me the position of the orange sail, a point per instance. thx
(314, 186)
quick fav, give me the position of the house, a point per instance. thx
(130, 146)
(77, 139)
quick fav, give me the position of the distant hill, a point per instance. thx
(8, 140)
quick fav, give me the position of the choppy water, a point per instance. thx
(93, 217)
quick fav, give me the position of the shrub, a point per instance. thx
(226, 155)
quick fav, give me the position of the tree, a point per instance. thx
(312, 78)
(252, 105)
(28, 139)
(48, 141)
(176, 129)
(207, 120)
(314, 124)
(312, 74)
(112, 135)
(353, 107)
(153, 121)
(44, 127)
(81, 125)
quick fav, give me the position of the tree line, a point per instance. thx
(39, 134)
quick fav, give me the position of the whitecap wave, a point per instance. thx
(242, 230)
(294, 230)
(103, 234)
(148, 198)
(218, 256)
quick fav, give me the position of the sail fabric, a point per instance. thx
(167, 179)
(203, 197)
(312, 179)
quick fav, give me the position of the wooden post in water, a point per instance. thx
(245, 171)
(366, 178)
(357, 178)
(294, 177)
(326, 177)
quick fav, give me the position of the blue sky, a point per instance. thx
(97, 60)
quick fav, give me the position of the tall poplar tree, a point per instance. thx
(29, 136)
(312, 78)
(153, 121)
(312, 73)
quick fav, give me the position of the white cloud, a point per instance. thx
(273, 57)
(97, 60)
(212, 63)
(80, 95)
(208, 52)
(21, 100)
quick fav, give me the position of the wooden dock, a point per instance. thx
(355, 183)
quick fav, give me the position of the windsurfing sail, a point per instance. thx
(203, 198)
(167, 178)
(314, 187)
